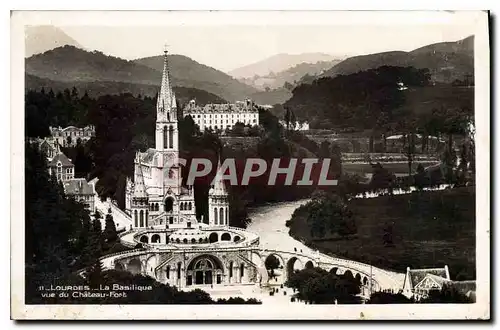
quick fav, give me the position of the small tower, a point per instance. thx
(139, 203)
(218, 203)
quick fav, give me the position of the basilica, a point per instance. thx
(155, 196)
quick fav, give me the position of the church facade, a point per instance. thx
(155, 196)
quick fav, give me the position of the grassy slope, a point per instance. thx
(427, 233)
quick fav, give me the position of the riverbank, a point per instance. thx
(429, 229)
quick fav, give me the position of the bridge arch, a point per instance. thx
(276, 268)
(134, 266)
(119, 266)
(293, 264)
(144, 239)
(225, 237)
(309, 264)
(214, 237)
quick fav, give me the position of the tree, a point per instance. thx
(381, 178)
(420, 178)
(388, 235)
(110, 229)
(271, 264)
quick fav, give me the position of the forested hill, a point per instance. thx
(446, 61)
(71, 64)
(95, 89)
(386, 98)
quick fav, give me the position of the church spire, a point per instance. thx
(139, 186)
(166, 105)
(218, 184)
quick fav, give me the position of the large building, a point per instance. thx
(155, 196)
(69, 136)
(222, 116)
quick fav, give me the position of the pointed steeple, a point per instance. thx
(218, 184)
(166, 99)
(139, 186)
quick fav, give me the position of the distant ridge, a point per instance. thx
(41, 38)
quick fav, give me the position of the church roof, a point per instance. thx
(417, 275)
(65, 161)
(78, 186)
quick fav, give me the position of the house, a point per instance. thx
(62, 167)
(81, 191)
(420, 282)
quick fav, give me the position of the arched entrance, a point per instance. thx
(169, 204)
(309, 264)
(155, 238)
(225, 237)
(144, 239)
(213, 238)
(119, 266)
(275, 267)
(204, 270)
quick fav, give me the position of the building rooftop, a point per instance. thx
(78, 186)
(65, 161)
(239, 106)
(417, 275)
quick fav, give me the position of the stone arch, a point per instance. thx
(169, 204)
(185, 240)
(365, 280)
(155, 238)
(309, 264)
(134, 266)
(225, 237)
(294, 264)
(276, 275)
(144, 239)
(358, 278)
(193, 240)
(119, 266)
(204, 269)
(236, 239)
(348, 273)
(182, 206)
(334, 270)
(213, 238)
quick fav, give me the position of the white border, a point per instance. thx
(478, 20)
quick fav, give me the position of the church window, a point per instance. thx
(189, 206)
(215, 215)
(168, 272)
(165, 137)
(182, 206)
(171, 136)
(179, 270)
(221, 217)
(135, 217)
(242, 270)
(193, 240)
(227, 218)
(185, 241)
(146, 218)
(169, 204)
(141, 218)
(170, 174)
(231, 266)
(168, 116)
(171, 221)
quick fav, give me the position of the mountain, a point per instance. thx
(289, 76)
(71, 64)
(39, 39)
(188, 73)
(278, 63)
(447, 61)
(98, 88)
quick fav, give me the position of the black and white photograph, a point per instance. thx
(306, 165)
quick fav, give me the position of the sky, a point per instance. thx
(230, 47)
